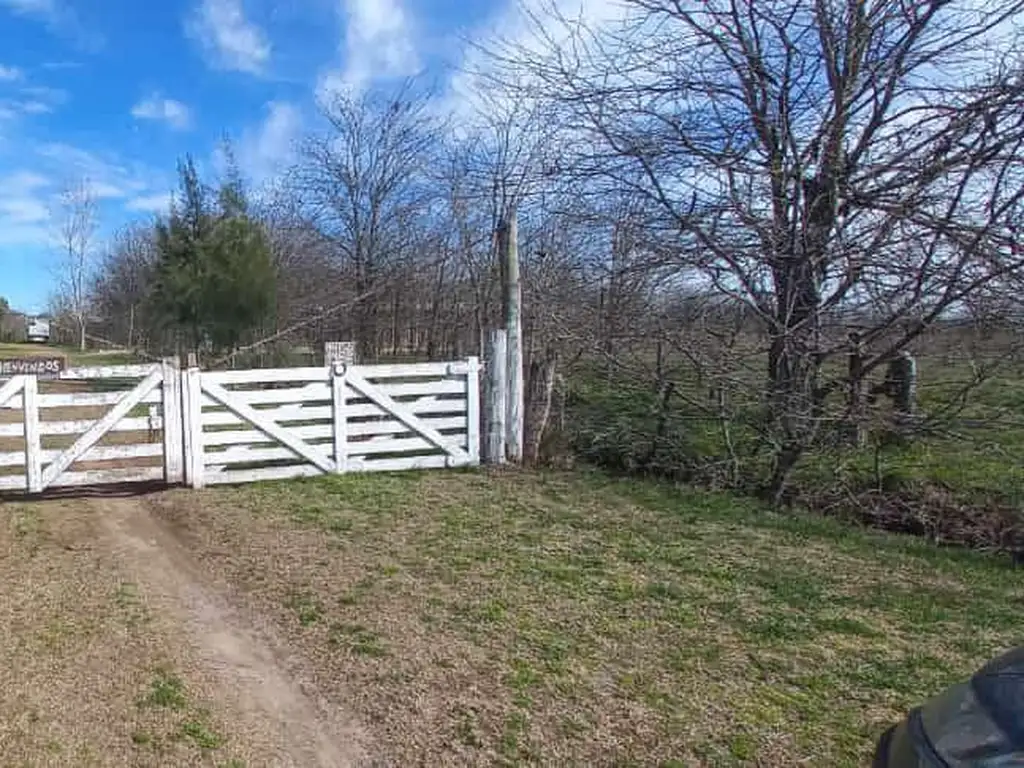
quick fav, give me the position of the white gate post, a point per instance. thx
(473, 410)
(33, 447)
(192, 400)
(174, 424)
(339, 385)
(495, 406)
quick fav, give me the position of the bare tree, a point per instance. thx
(76, 222)
(362, 182)
(805, 159)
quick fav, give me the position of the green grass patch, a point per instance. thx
(633, 622)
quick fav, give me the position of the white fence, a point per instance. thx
(207, 428)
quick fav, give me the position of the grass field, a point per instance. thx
(570, 619)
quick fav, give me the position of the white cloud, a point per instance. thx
(379, 43)
(24, 209)
(156, 107)
(228, 38)
(267, 150)
(522, 24)
(108, 177)
(158, 204)
(10, 74)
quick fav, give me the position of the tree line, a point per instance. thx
(712, 197)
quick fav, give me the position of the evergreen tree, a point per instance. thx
(215, 278)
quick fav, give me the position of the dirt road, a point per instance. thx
(125, 652)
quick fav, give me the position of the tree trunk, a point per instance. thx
(538, 404)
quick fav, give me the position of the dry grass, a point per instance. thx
(474, 619)
(89, 674)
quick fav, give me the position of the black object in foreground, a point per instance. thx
(977, 724)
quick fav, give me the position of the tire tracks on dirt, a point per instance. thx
(258, 684)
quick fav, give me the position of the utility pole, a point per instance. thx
(508, 247)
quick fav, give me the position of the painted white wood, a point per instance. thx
(266, 376)
(140, 424)
(326, 431)
(10, 389)
(238, 476)
(411, 463)
(84, 399)
(100, 428)
(13, 482)
(340, 417)
(193, 410)
(109, 476)
(96, 454)
(355, 449)
(402, 413)
(108, 372)
(269, 427)
(495, 407)
(250, 455)
(473, 410)
(12, 459)
(324, 393)
(410, 370)
(307, 394)
(173, 424)
(33, 445)
(311, 413)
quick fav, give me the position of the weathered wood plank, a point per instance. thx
(33, 446)
(173, 424)
(95, 454)
(269, 427)
(308, 413)
(340, 419)
(11, 388)
(473, 410)
(84, 399)
(402, 413)
(13, 482)
(192, 397)
(108, 372)
(323, 392)
(252, 455)
(411, 370)
(238, 476)
(108, 477)
(100, 428)
(134, 424)
(266, 376)
(325, 431)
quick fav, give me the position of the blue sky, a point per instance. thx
(114, 91)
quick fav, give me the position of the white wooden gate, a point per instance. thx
(99, 425)
(244, 426)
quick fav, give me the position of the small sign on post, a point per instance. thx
(343, 352)
(43, 367)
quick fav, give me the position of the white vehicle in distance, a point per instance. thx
(37, 329)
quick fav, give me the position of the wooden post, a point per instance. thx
(495, 406)
(174, 426)
(33, 446)
(904, 370)
(192, 399)
(855, 406)
(339, 374)
(508, 237)
(538, 405)
(473, 410)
